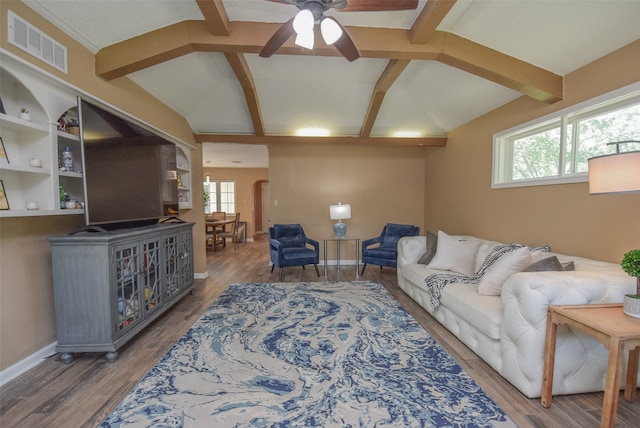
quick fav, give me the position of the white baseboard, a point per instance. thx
(28, 363)
(342, 263)
(201, 275)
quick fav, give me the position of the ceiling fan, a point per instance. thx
(333, 32)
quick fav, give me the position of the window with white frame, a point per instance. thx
(220, 195)
(555, 149)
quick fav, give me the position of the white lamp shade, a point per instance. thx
(303, 22)
(330, 30)
(340, 211)
(616, 173)
(305, 40)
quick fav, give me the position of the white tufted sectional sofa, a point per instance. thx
(508, 331)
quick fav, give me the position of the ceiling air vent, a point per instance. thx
(30, 39)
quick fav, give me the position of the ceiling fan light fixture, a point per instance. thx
(305, 40)
(303, 22)
(331, 31)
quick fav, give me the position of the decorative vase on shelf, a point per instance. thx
(631, 265)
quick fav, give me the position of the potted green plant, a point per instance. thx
(631, 265)
(24, 114)
(73, 127)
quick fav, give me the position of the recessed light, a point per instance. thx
(312, 132)
(406, 134)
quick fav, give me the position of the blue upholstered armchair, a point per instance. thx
(289, 246)
(386, 253)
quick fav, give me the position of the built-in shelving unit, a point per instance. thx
(39, 140)
(29, 166)
(184, 172)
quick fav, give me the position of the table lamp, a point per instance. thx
(618, 173)
(615, 173)
(340, 212)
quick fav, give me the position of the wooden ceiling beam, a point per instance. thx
(502, 69)
(426, 24)
(282, 139)
(215, 16)
(387, 78)
(185, 37)
(241, 69)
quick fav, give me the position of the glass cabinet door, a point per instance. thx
(151, 275)
(126, 259)
(186, 261)
(172, 263)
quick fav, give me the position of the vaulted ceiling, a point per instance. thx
(421, 73)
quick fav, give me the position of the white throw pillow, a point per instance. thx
(510, 263)
(455, 255)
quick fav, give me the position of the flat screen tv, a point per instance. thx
(130, 176)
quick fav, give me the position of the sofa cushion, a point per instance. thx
(456, 255)
(432, 243)
(508, 264)
(483, 312)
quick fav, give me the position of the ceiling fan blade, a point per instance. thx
(345, 45)
(279, 37)
(359, 5)
(376, 5)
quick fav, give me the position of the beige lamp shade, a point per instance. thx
(616, 173)
(340, 211)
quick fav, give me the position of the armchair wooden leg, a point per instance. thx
(317, 271)
(363, 268)
(272, 267)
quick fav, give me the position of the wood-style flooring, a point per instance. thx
(83, 393)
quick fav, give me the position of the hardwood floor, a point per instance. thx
(83, 393)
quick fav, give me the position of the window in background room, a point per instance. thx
(220, 195)
(555, 149)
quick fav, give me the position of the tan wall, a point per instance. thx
(459, 198)
(27, 321)
(245, 179)
(382, 184)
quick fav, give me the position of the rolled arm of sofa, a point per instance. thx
(410, 249)
(581, 362)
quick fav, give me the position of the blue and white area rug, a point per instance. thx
(325, 354)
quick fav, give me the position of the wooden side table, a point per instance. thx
(611, 327)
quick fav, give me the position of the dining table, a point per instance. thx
(215, 225)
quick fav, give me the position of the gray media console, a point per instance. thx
(109, 285)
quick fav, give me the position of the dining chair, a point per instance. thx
(211, 231)
(219, 215)
(233, 233)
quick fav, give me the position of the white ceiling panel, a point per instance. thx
(225, 155)
(558, 36)
(100, 23)
(434, 98)
(297, 92)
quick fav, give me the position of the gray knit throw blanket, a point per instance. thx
(437, 281)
